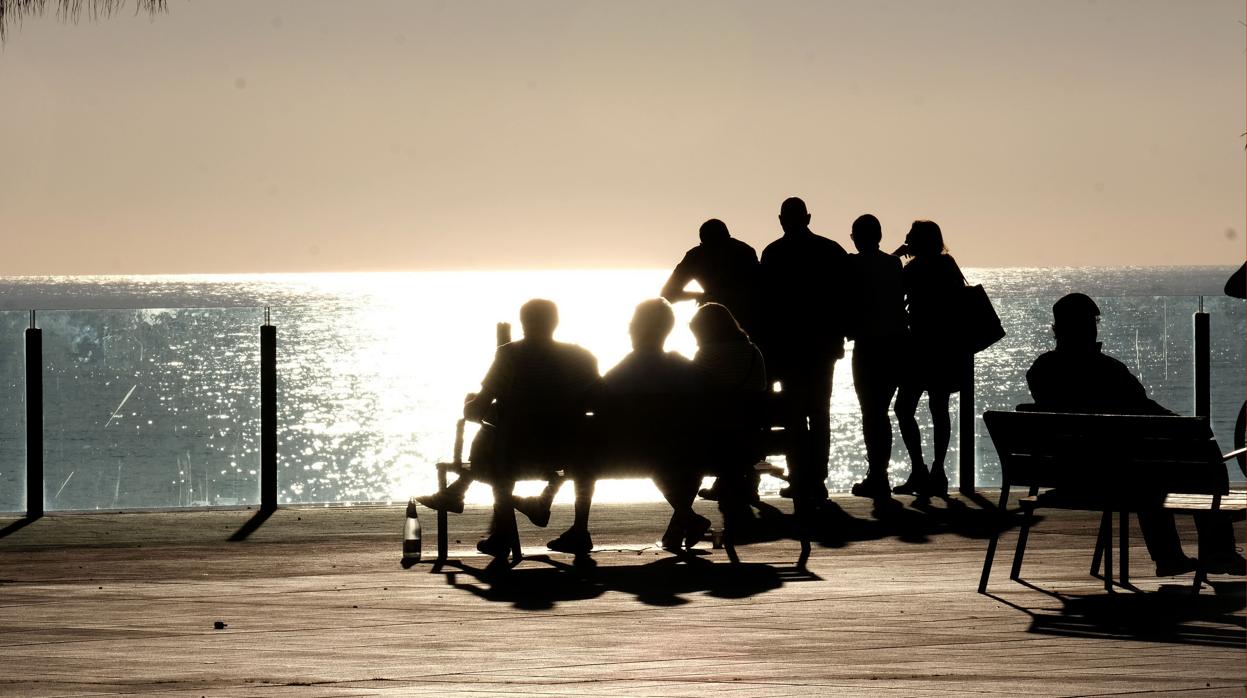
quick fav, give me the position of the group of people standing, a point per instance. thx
(804, 297)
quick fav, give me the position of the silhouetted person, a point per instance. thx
(1236, 287)
(531, 407)
(1078, 377)
(803, 336)
(727, 271)
(735, 374)
(879, 328)
(647, 407)
(938, 361)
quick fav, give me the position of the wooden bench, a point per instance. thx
(1107, 463)
(772, 442)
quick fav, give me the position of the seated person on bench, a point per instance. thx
(736, 379)
(531, 407)
(644, 415)
(1077, 377)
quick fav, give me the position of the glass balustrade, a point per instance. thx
(160, 407)
(151, 408)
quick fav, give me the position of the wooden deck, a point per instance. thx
(315, 603)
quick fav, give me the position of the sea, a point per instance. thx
(152, 382)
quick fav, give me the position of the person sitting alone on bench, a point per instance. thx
(531, 407)
(1077, 377)
(645, 412)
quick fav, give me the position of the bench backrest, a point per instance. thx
(1129, 454)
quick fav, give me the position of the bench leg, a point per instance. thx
(991, 543)
(1098, 556)
(442, 520)
(1028, 519)
(1123, 548)
(1106, 541)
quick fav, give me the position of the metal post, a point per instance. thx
(966, 441)
(268, 415)
(1203, 362)
(34, 420)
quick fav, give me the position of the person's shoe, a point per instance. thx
(937, 485)
(572, 541)
(672, 540)
(915, 484)
(1172, 568)
(443, 501)
(1228, 563)
(536, 509)
(494, 545)
(695, 532)
(874, 488)
(709, 493)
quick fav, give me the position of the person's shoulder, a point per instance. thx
(1044, 361)
(774, 247)
(575, 351)
(830, 246)
(741, 247)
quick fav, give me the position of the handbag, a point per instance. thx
(980, 325)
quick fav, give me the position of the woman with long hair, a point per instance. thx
(938, 364)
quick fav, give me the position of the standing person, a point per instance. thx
(938, 364)
(879, 329)
(725, 268)
(803, 336)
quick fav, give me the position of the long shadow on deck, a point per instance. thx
(667, 581)
(1171, 615)
(833, 527)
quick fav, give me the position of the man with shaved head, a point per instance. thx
(802, 337)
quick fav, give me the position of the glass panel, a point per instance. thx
(13, 410)
(1227, 325)
(151, 408)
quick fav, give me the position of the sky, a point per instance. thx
(238, 136)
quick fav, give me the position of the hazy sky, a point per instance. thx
(242, 136)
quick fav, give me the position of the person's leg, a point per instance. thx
(502, 529)
(1160, 534)
(576, 540)
(941, 425)
(875, 386)
(906, 409)
(796, 429)
(810, 419)
(1217, 547)
(584, 501)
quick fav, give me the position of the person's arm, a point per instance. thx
(673, 290)
(477, 404)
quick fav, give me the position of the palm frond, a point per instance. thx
(14, 11)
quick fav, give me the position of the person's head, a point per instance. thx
(715, 323)
(538, 318)
(1074, 320)
(794, 217)
(866, 233)
(651, 323)
(925, 239)
(713, 230)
